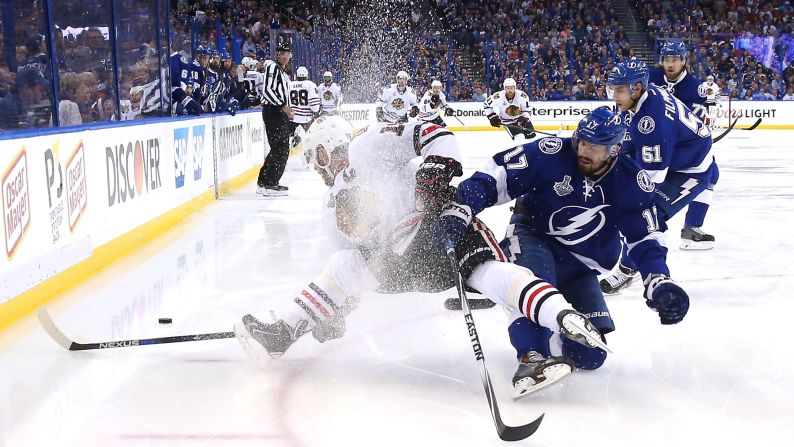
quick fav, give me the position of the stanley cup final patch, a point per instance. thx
(564, 187)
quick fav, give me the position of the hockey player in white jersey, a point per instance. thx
(330, 95)
(383, 210)
(303, 99)
(509, 107)
(711, 91)
(252, 81)
(431, 104)
(397, 101)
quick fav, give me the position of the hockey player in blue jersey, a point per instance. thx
(180, 76)
(674, 147)
(188, 105)
(673, 76)
(574, 196)
(230, 103)
(212, 93)
(198, 67)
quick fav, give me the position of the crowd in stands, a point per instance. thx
(555, 49)
(755, 69)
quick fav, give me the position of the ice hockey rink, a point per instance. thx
(404, 373)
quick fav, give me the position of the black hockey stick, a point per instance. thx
(506, 433)
(57, 335)
(516, 130)
(722, 135)
(756, 124)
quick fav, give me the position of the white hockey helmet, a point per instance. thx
(402, 74)
(328, 74)
(249, 62)
(436, 83)
(709, 78)
(509, 82)
(302, 72)
(327, 140)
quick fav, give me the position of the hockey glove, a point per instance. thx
(432, 182)
(188, 106)
(448, 111)
(414, 111)
(455, 220)
(494, 119)
(667, 298)
(524, 122)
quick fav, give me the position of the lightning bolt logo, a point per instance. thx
(686, 189)
(577, 224)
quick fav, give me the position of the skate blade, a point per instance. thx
(693, 245)
(590, 339)
(252, 348)
(553, 373)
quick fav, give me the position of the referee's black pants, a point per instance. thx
(278, 130)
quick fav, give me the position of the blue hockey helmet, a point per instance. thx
(601, 126)
(225, 55)
(674, 48)
(201, 51)
(215, 53)
(629, 73)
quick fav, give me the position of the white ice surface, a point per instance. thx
(404, 374)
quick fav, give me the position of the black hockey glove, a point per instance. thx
(448, 111)
(667, 298)
(414, 111)
(379, 115)
(524, 122)
(432, 182)
(494, 119)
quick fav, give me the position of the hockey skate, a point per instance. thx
(693, 238)
(536, 372)
(272, 190)
(275, 337)
(619, 280)
(578, 328)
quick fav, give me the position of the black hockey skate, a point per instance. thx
(578, 328)
(693, 238)
(618, 281)
(275, 337)
(536, 372)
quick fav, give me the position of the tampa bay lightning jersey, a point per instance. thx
(580, 213)
(684, 88)
(197, 74)
(180, 71)
(666, 137)
(214, 93)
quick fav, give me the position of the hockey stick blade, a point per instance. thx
(56, 334)
(505, 432)
(475, 304)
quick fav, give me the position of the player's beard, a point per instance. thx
(672, 75)
(588, 166)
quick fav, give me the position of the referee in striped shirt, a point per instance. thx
(276, 114)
